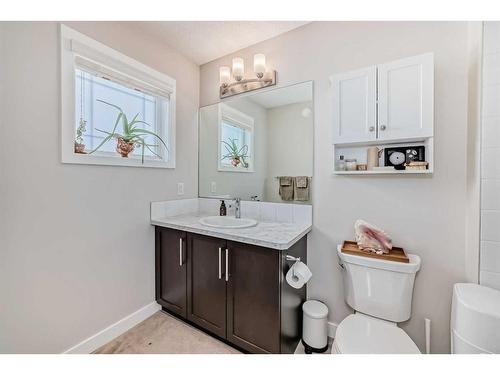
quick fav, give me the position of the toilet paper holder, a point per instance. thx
(292, 258)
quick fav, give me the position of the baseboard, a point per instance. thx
(107, 334)
(332, 328)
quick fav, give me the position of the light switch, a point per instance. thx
(180, 188)
(213, 187)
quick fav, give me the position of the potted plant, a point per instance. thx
(235, 154)
(130, 136)
(79, 145)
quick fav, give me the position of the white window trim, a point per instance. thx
(74, 43)
(246, 121)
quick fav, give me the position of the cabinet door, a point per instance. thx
(253, 295)
(354, 105)
(406, 98)
(206, 283)
(171, 270)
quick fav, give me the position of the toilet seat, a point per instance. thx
(362, 334)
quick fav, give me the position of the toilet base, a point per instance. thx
(309, 349)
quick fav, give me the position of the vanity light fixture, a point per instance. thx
(240, 84)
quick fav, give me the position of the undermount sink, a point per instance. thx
(228, 222)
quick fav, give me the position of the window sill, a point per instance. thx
(237, 170)
(115, 161)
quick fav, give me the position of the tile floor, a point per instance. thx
(165, 334)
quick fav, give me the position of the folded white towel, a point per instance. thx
(372, 239)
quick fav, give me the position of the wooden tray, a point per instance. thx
(396, 254)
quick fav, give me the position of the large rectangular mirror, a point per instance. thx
(259, 146)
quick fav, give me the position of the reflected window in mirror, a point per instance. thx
(277, 126)
(236, 132)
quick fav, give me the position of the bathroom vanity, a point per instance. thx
(231, 282)
(227, 274)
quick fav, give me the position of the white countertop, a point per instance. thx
(274, 235)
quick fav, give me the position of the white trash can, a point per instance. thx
(314, 327)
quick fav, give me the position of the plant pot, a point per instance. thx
(79, 148)
(235, 162)
(124, 148)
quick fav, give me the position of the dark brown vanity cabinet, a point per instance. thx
(206, 283)
(253, 298)
(235, 291)
(171, 270)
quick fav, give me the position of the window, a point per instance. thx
(235, 140)
(93, 92)
(115, 110)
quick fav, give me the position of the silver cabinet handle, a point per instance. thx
(220, 263)
(180, 251)
(227, 264)
(371, 128)
(383, 127)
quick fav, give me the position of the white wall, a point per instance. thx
(424, 214)
(490, 159)
(290, 145)
(234, 184)
(77, 249)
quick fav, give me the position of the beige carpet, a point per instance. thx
(164, 334)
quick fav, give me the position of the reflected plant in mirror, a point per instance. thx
(234, 153)
(253, 144)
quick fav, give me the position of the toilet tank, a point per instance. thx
(378, 287)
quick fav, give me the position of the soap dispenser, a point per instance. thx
(222, 210)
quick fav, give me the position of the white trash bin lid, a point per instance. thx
(315, 309)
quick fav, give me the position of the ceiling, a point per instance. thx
(204, 41)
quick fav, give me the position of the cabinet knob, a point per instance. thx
(371, 128)
(383, 127)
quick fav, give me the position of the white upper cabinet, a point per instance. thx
(387, 102)
(406, 98)
(355, 110)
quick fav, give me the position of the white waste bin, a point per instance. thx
(314, 327)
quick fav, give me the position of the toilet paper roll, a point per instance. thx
(298, 275)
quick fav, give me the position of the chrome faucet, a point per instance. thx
(237, 208)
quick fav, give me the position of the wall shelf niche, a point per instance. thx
(359, 152)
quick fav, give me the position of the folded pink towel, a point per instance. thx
(372, 239)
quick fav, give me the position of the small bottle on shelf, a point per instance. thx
(341, 166)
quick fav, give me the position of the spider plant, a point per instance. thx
(131, 133)
(235, 153)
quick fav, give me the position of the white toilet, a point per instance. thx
(380, 292)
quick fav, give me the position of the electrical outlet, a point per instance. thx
(213, 187)
(180, 188)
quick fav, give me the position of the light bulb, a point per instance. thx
(259, 64)
(238, 68)
(224, 75)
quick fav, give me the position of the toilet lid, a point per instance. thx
(361, 334)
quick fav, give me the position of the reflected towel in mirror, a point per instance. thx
(286, 188)
(302, 188)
